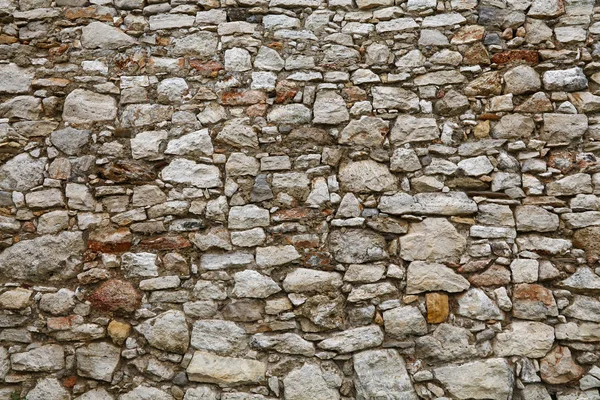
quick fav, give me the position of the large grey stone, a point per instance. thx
(431, 277)
(487, 379)
(357, 246)
(99, 35)
(167, 331)
(22, 172)
(210, 368)
(353, 339)
(366, 176)
(525, 339)
(97, 360)
(382, 374)
(434, 239)
(44, 258)
(184, 171)
(311, 381)
(14, 79)
(83, 107)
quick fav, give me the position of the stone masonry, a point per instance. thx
(299, 199)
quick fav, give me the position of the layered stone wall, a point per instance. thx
(299, 199)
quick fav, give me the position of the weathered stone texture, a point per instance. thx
(299, 199)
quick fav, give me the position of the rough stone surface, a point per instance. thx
(299, 199)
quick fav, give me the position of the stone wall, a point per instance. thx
(299, 199)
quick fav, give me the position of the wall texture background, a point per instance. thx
(299, 199)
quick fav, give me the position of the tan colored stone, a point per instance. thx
(118, 331)
(437, 307)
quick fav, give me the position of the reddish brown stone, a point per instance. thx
(437, 307)
(474, 266)
(107, 240)
(87, 12)
(170, 242)
(588, 239)
(257, 110)
(529, 56)
(210, 68)
(476, 54)
(115, 295)
(286, 91)
(468, 34)
(70, 381)
(61, 323)
(496, 275)
(489, 117)
(558, 367)
(129, 171)
(5, 39)
(354, 93)
(244, 98)
(562, 159)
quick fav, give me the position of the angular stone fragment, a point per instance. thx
(409, 129)
(275, 255)
(562, 128)
(366, 176)
(431, 277)
(451, 203)
(218, 336)
(558, 367)
(329, 108)
(434, 239)
(487, 379)
(115, 295)
(401, 322)
(448, 343)
(287, 343)
(533, 302)
(533, 218)
(248, 216)
(48, 388)
(312, 381)
(583, 278)
(22, 172)
(167, 331)
(543, 244)
(309, 280)
(50, 357)
(521, 79)
(357, 246)
(99, 35)
(234, 259)
(202, 44)
(97, 360)
(585, 308)
(185, 171)
(14, 79)
(382, 372)
(44, 258)
(353, 339)
(367, 131)
(394, 98)
(253, 284)
(84, 107)
(476, 304)
(291, 114)
(525, 339)
(570, 185)
(144, 392)
(568, 80)
(438, 308)
(70, 141)
(513, 126)
(209, 368)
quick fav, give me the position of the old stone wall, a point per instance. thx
(299, 199)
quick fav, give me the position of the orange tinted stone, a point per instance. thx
(437, 307)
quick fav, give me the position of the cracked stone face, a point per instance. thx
(299, 200)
